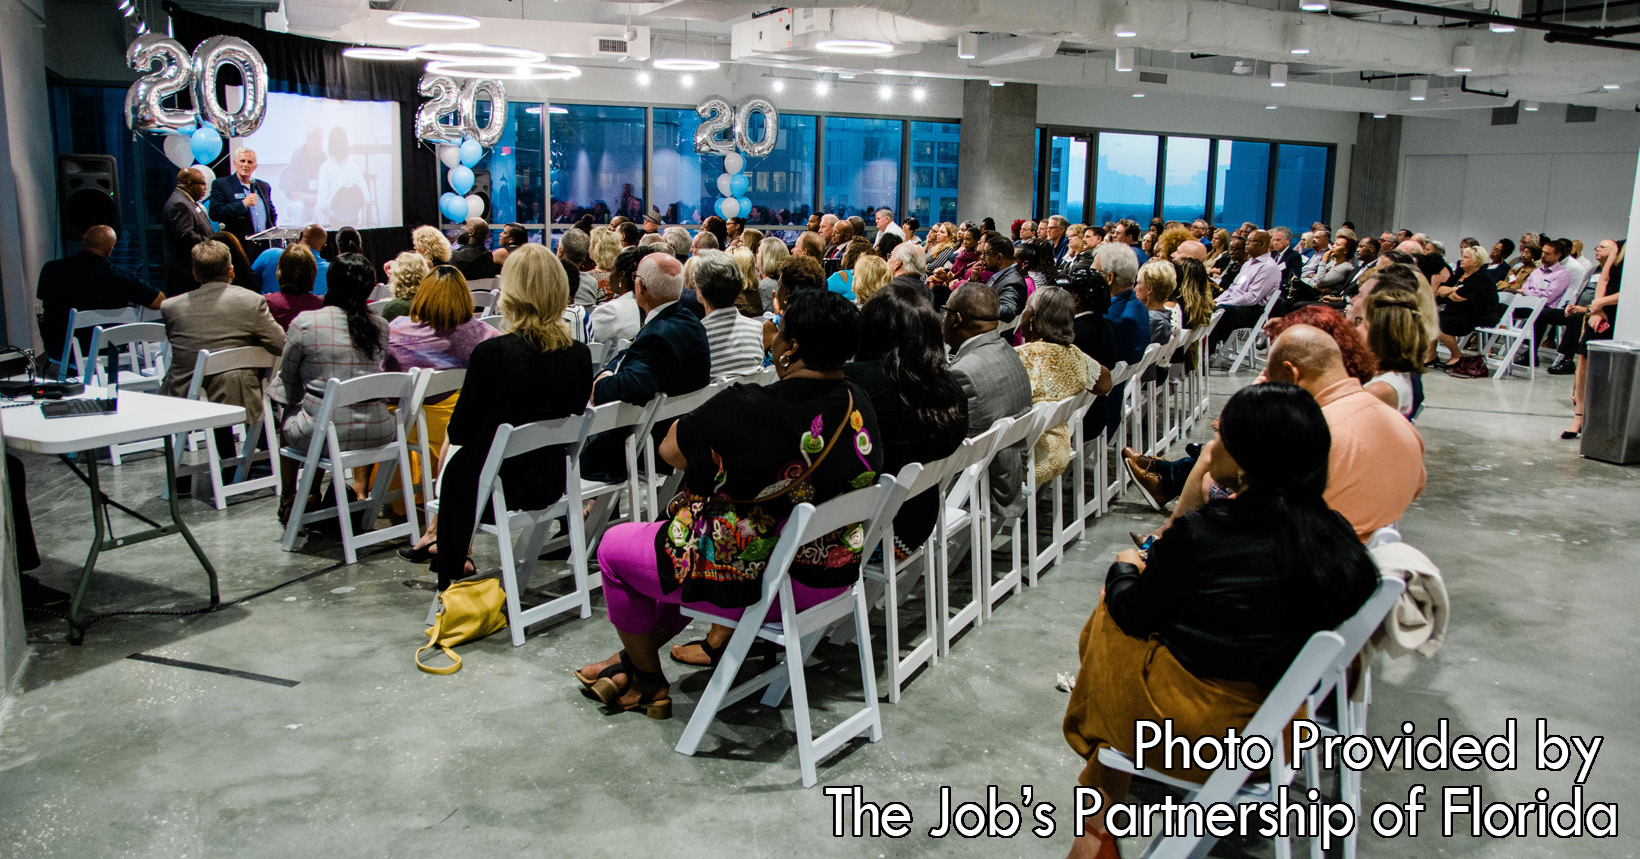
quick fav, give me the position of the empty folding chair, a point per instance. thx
(889, 571)
(325, 454)
(1025, 431)
(146, 351)
(963, 523)
(1062, 413)
(483, 301)
(1228, 784)
(797, 633)
(484, 284)
(1249, 337)
(1502, 342)
(72, 363)
(209, 364)
(382, 290)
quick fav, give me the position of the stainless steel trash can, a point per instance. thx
(1611, 402)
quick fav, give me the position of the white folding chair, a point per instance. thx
(1228, 784)
(1062, 413)
(1130, 431)
(208, 364)
(1250, 337)
(483, 301)
(917, 478)
(325, 453)
(966, 507)
(79, 320)
(600, 351)
(591, 503)
(140, 346)
(663, 410)
(1024, 431)
(429, 384)
(799, 632)
(1500, 343)
(1199, 393)
(376, 305)
(483, 284)
(381, 290)
(496, 321)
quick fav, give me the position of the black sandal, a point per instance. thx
(650, 684)
(713, 654)
(418, 554)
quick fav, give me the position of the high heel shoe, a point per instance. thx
(418, 554)
(1577, 418)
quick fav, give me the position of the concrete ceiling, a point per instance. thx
(1362, 56)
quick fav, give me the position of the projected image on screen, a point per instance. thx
(331, 162)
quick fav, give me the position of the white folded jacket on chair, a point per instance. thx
(1418, 621)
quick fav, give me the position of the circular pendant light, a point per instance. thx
(853, 46)
(386, 54)
(505, 70)
(432, 21)
(473, 52)
(681, 64)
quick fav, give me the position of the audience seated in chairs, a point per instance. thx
(87, 281)
(993, 380)
(296, 271)
(1468, 301)
(1230, 593)
(735, 341)
(472, 258)
(748, 457)
(1395, 333)
(620, 317)
(1057, 369)
(431, 244)
(405, 273)
(1243, 300)
(341, 340)
(534, 372)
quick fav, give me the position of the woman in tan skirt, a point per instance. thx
(1202, 630)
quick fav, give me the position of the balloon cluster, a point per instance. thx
(733, 184)
(461, 146)
(457, 204)
(194, 135)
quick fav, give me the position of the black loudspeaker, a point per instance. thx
(88, 193)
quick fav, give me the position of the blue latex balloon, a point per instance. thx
(471, 153)
(745, 206)
(461, 179)
(206, 144)
(452, 206)
(717, 206)
(738, 185)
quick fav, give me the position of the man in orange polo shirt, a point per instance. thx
(1376, 466)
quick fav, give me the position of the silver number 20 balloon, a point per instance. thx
(209, 58)
(716, 116)
(490, 133)
(743, 126)
(144, 101)
(442, 94)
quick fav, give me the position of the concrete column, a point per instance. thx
(1374, 167)
(998, 151)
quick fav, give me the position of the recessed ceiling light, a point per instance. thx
(1278, 74)
(468, 52)
(1379, 115)
(919, 93)
(680, 64)
(1269, 107)
(853, 46)
(644, 78)
(1611, 86)
(996, 83)
(389, 54)
(885, 92)
(686, 80)
(1313, 5)
(1138, 95)
(505, 70)
(821, 87)
(432, 21)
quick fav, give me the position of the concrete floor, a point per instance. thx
(102, 755)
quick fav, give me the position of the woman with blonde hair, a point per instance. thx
(604, 245)
(405, 273)
(771, 256)
(1157, 286)
(870, 275)
(749, 302)
(751, 240)
(1395, 332)
(433, 246)
(941, 244)
(534, 372)
(1057, 369)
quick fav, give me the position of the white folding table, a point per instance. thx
(139, 417)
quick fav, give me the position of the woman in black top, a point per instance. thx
(535, 372)
(920, 412)
(1468, 302)
(1229, 596)
(748, 455)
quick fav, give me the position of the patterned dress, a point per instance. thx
(318, 349)
(1056, 372)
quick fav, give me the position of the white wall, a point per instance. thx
(1203, 116)
(942, 99)
(1462, 176)
(28, 241)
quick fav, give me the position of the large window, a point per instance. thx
(1242, 183)
(780, 184)
(862, 166)
(935, 149)
(1068, 177)
(509, 177)
(597, 162)
(1301, 185)
(1184, 183)
(1125, 186)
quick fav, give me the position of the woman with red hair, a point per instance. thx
(1358, 358)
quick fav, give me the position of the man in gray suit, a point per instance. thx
(218, 315)
(185, 226)
(990, 374)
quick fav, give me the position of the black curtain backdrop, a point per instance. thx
(316, 67)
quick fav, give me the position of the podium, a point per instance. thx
(280, 235)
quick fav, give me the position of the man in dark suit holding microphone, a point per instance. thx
(244, 206)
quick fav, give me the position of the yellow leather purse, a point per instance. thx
(468, 610)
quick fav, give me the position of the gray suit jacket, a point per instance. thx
(990, 374)
(185, 226)
(219, 316)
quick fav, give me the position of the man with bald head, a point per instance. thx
(671, 354)
(993, 379)
(87, 281)
(185, 225)
(1375, 468)
(1244, 299)
(266, 264)
(1190, 249)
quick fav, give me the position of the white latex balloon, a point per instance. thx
(206, 172)
(734, 162)
(723, 185)
(475, 206)
(731, 208)
(179, 149)
(449, 155)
